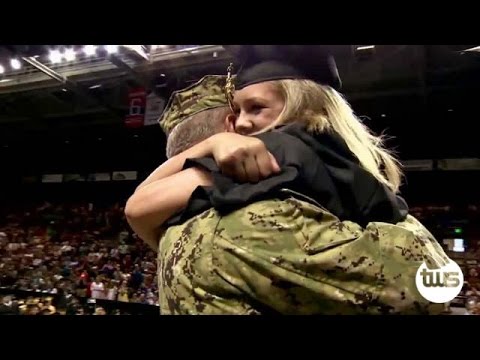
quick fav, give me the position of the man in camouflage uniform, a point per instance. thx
(203, 104)
(287, 256)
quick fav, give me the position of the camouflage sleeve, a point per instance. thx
(405, 247)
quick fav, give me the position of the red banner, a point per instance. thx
(136, 107)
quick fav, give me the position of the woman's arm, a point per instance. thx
(154, 203)
(242, 157)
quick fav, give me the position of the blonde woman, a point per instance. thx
(294, 111)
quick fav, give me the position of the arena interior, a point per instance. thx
(79, 131)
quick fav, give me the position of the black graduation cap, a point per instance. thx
(258, 63)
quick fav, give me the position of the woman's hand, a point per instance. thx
(243, 158)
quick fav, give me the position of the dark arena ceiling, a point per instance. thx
(58, 98)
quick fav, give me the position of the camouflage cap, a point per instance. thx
(207, 93)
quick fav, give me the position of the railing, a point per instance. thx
(108, 305)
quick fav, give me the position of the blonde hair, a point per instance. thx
(323, 109)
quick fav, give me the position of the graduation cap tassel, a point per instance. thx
(230, 87)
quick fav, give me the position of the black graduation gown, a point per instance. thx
(319, 166)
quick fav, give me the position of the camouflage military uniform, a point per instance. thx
(291, 257)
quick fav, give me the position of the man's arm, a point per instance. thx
(151, 205)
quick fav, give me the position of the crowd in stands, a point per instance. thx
(75, 250)
(80, 256)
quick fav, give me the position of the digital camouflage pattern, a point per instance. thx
(207, 93)
(291, 257)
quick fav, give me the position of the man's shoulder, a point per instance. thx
(209, 219)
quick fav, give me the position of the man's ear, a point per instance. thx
(229, 123)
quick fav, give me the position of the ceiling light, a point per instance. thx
(70, 55)
(474, 49)
(90, 50)
(15, 63)
(365, 47)
(112, 49)
(55, 56)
